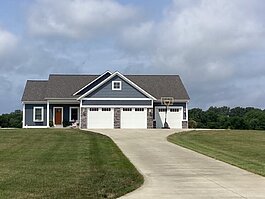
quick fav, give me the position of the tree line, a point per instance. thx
(227, 118)
(11, 120)
(213, 118)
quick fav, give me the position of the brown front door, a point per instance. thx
(58, 116)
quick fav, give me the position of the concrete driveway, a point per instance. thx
(171, 171)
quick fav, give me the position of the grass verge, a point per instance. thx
(244, 149)
(56, 163)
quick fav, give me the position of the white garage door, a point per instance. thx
(174, 117)
(133, 118)
(100, 118)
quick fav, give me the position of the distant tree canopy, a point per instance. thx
(226, 118)
(12, 120)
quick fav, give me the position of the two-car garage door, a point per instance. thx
(129, 118)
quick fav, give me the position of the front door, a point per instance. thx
(58, 116)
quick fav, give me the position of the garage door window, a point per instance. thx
(174, 110)
(105, 109)
(162, 110)
(127, 109)
(93, 109)
(139, 109)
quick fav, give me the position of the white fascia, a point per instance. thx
(116, 99)
(92, 82)
(122, 77)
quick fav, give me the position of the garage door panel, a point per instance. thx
(100, 118)
(174, 117)
(133, 118)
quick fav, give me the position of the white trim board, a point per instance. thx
(36, 127)
(116, 99)
(116, 106)
(122, 77)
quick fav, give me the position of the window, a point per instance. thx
(93, 109)
(38, 114)
(116, 85)
(74, 116)
(105, 109)
(174, 110)
(162, 110)
(139, 109)
(127, 109)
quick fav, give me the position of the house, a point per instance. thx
(110, 100)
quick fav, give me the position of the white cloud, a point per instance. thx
(8, 42)
(79, 18)
(209, 43)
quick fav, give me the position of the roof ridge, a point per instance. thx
(152, 75)
(37, 80)
(73, 75)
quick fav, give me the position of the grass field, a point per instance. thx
(245, 149)
(52, 163)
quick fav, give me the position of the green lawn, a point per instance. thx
(245, 149)
(52, 163)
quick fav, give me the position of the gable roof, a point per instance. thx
(35, 90)
(125, 79)
(64, 86)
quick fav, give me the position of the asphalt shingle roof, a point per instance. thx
(35, 90)
(64, 86)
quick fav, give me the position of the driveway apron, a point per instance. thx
(171, 171)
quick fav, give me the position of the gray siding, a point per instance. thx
(29, 115)
(105, 91)
(118, 102)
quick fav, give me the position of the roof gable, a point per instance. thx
(106, 85)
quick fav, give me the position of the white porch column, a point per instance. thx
(23, 115)
(48, 113)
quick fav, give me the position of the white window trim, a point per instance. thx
(116, 89)
(34, 112)
(70, 113)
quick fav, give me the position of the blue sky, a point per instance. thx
(216, 46)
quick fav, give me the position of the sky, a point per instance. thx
(216, 46)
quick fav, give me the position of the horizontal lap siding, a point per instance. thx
(29, 115)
